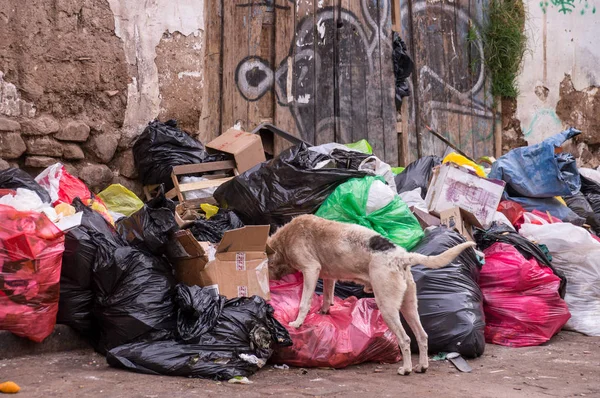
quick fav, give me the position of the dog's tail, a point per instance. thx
(439, 261)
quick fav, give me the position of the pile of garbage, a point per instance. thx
(178, 284)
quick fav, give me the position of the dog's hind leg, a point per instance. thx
(389, 288)
(411, 316)
(328, 290)
(311, 276)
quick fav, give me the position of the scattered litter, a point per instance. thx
(239, 380)
(281, 367)
(9, 387)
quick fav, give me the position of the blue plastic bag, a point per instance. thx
(537, 172)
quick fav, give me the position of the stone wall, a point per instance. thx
(79, 80)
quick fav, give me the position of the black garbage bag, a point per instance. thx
(348, 159)
(162, 146)
(450, 301)
(417, 175)
(289, 185)
(212, 230)
(76, 296)
(504, 234)
(152, 226)
(344, 290)
(225, 339)
(14, 178)
(403, 67)
(134, 295)
(582, 207)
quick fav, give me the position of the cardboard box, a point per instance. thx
(426, 220)
(453, 185)
(246, 148)
(461, 221)
(236, 267)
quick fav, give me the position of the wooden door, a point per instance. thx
(450, 87)
(319, 69)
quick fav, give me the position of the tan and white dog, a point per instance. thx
(337, 251)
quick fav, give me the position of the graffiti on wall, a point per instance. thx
(467, 93)
(569, 6)
(452, 85)
(323, 47)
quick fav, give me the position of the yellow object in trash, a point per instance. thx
(121, 200)
(463, 161)
(100, 208)
(8, 387)
(561, 200)
(64, 209)
(210, 210)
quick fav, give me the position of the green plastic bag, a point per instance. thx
(348, 203)
(121, 200)
(397, 170)
(362, 145)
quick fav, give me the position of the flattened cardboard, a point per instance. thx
(237, 267)
(453, 185)
(246, 148)
(426, 220)
(461, 221)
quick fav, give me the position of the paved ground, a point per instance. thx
(568, 366)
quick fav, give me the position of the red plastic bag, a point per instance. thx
(353, 332)
(31, 249)
(521, 301)
(513, 211)
(62, 186)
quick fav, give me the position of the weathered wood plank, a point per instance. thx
(410, 121)
(375, 124)
(325, 71)
(388, 82)
(352, 68)
(236, 29)
(210, 123)
(285, 28)
(260, 50)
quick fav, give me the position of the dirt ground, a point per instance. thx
(568, 366)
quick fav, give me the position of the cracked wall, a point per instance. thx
(559, 77)
(80, 79)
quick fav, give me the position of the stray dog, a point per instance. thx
(337, 251)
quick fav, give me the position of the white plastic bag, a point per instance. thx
(380, 168)
(380, 195)
(577, 255)
(413, 199)
(198, 193)
(27, 200)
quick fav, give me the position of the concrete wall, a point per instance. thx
(79, 80)
(560, 71)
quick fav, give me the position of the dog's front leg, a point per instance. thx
(328, 290)
(311, 276)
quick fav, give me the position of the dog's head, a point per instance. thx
(277, 267)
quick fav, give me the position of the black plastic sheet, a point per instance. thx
(450, 301)
(344, 290)
(225, 339)
(134, 295)
(212, 230)
(581, 206)
(403, 67)
(417, 175)
(276, 191)
(14, 178)
(76, 296)
(152, 226)
(162, 146)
